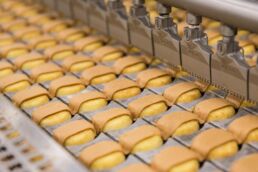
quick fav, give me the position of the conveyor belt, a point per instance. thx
(57, 158)
(109, 105)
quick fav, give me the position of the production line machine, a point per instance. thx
(129, 85)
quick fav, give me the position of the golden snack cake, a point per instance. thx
(153, 78)
(6, 39)
(181, 26)
(27, 11)
(65, 85)
(77, 63)
(182, 92)
(204, 86)
(247, 47)
(121, 88)
(40, 19)
(225, 145)
(149, 59)
(246, 163)
(75, 132)
(234, 100)
(6, 68)
(176, 158)
(27, 33)
(254, 39)
(54, 26)
(6, 17)
(205, 21)
(29, 60)
(51, 113)
(178, 123)
(242, 34)
(99, 156)
(251, 59)
(213, 37)
(3, 11)
(127, 4)
(42, 42)
(46, 72)
(214, 109)
(141, 139)
(59, 52)
(129, 64)
(14, 50)
(9, 5)
(211, 33)
(245, 128)
(14, 82)
(213, 41)
(90, 43)
(112, 119)
(137, 167)
(73, 34)
(213, 25)
(88, 101)
(14, 25)
(98, 74)
(108, 53)
(148, 105)
(178, 13)
(30, 97)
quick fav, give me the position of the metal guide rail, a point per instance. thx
(51, 156)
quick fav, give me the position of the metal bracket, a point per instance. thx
(138, 9)
(80, 10)
(115, 5)
(140, 27)
(227, 45)
(196, 54)
(65, 7)
(229, 68)
(194, 30)
(253, 84)
(97, 16)
(52, 4)
(164, 21)
(165, 37)
(118, 21)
